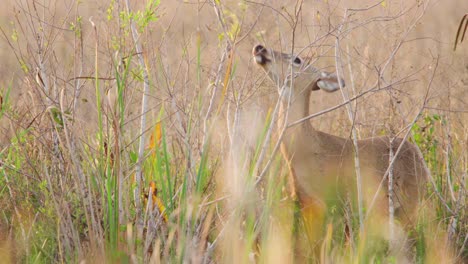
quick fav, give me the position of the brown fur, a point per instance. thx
(319, 162)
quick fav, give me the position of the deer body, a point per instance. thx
(322, 165)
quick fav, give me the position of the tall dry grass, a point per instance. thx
(73, 144)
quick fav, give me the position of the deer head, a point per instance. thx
(306, 78)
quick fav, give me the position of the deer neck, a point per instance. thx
(295, 106)
(302, 137)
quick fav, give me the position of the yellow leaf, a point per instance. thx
(227, 76)
(384, 3)
(156, 201)
(155, 140)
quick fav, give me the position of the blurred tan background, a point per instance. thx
(366, 42)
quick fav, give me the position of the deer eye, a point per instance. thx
(297, 61)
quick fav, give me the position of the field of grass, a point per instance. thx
(140, 131)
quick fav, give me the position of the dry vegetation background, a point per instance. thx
(69, 146)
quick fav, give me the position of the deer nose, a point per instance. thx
(260, 54)
(259, 49)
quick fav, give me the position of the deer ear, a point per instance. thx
(328, 82)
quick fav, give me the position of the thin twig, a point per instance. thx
(357, 166)
(144, 103)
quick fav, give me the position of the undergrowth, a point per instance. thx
(69, 189)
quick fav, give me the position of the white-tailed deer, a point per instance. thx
(322, 165)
